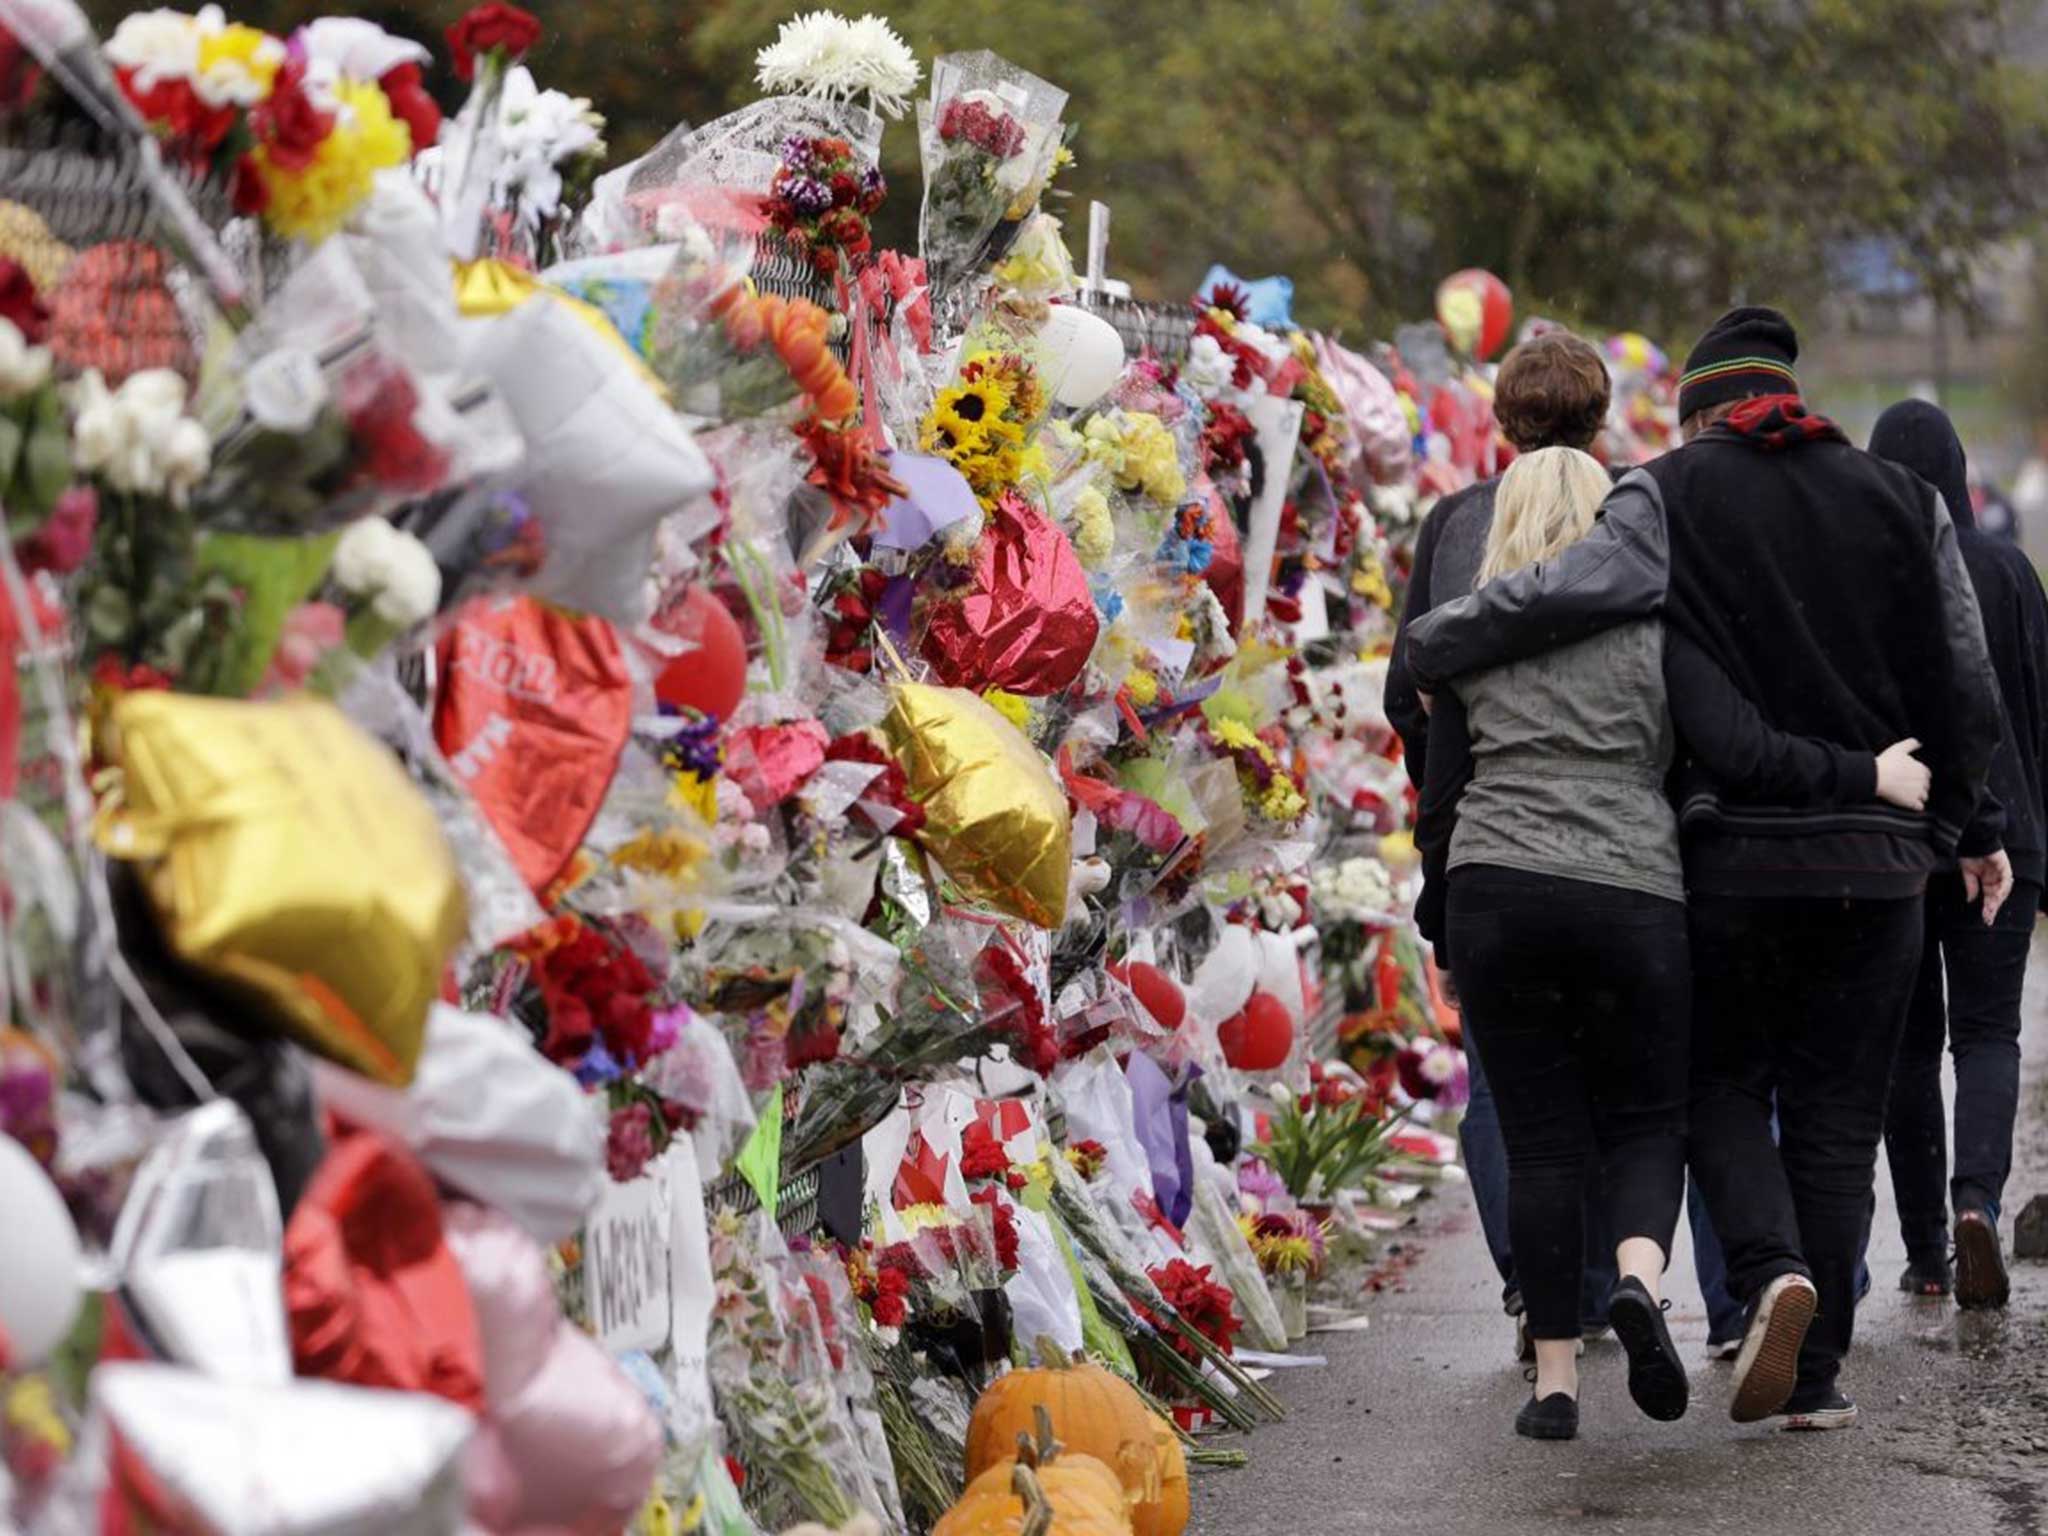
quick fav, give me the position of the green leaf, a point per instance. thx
(45, 469)
(274, 576)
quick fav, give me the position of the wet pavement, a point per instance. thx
(1409, 1427)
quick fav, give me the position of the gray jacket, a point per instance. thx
(1570, 750)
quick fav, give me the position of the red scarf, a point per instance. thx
(1777, 422)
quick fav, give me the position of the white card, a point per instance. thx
(626, 1265)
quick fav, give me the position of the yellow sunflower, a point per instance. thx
(969, 416)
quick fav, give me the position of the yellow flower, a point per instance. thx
(237, 64)
(1150, 459)
(312, 203)
(32, 1413)
(697, 794)
(1094, 529)
(1010, 706)
(663, 852)
(1142, 686)
(1236, 735)
(1282, 801)
(916, 1218)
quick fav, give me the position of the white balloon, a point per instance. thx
(1087, 354)
(39, 1288)
(1225, 979)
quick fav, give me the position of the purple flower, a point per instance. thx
(668, 1028)
(797, 153)
(694, 748)
(871, 183)
(807, 195)
(598, 1066)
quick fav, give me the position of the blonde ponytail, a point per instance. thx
(1546, 503)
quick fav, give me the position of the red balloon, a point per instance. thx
(1158, 993)
(1260, 1038)
(712, 675)
(1477, 310)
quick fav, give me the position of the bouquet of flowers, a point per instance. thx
(989, 139)
(821, 200)
(1327, 1139)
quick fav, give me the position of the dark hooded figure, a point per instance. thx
(1985, 968)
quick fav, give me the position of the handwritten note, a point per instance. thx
(690, 1414)
(626, 1265)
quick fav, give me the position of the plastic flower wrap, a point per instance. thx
(983, 423)
(989, 138)
(821, 200)
(546, 147)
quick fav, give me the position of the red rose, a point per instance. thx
(65, 539)
(19, 302)
(287, 124)
(488, 29)
(250, 191)
(845, 190)
(411, 104)
(191, 128)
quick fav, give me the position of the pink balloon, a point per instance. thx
(570, 1446)
(584, 1440)
(516, 1315)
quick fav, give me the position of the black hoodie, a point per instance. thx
(1918, 436)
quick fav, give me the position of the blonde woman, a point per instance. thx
(1568, 930)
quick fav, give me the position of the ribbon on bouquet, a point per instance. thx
(891, 284)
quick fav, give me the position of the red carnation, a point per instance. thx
(845, 190)
(489, 29)
(411, 104)
(1004, 1220)
(250, 191)
(20, 303)
(287, 123)
(981, 1155)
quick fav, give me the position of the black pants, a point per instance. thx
(1578, 998)
(1798, 1002)
(1978, 1015)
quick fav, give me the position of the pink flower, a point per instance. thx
(311, 630)
(65, 539)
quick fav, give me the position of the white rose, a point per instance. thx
(411, 589)
(185, 456)
(23, 369)
(156, 396)
(133, 467)
(360, 558)
(1208, 369)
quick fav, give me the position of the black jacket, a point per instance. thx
(1711, 717)
(1919, 437)
(1827, 585)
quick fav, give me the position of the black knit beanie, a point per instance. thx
(1748, 351)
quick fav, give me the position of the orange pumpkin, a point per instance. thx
(1096, 1415)
(1042, 1491)
(1093, 1413)
(1163, 1510)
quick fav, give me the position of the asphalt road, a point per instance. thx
(1409, 1428)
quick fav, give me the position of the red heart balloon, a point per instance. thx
(1259, 1038)
(1157, 992)
(1028, 622)
(534, 710)
(711, 676)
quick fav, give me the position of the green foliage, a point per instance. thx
(1632, 162)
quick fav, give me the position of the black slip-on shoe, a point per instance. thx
(1927, 1278)
(1555, 1417)
(1981, 1280)
(1826, 1410)
(1768, 1367)
(1656, 1376)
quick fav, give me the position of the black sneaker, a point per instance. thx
(1768, 1367)
(1928, 1278)
(1555, 1417)
(1826, 1410)
(1981, 1280)
(1656, 1376)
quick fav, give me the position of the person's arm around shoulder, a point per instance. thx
(1618, 572)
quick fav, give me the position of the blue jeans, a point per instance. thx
(1486, 1165)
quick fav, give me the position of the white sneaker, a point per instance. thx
(1721, 1351)
(1767, 1368)
(1837, 1412)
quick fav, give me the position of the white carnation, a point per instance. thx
(390, 568)
(157, 46)
(1209, 369)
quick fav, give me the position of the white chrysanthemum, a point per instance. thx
(1208, 370)
(821, 53)
(889, 69)
(390, 568)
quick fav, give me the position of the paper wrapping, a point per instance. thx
(1028, 622)
(287, 855)
(993, 815)
(534, 710)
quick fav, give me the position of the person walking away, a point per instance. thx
(1569, 940)
(1971, 977)
(1827, 584)
(1552, 390)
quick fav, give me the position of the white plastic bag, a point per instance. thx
(490, 1116)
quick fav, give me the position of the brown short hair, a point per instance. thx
(1551, 391)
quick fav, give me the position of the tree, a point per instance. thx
(1628, 162)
